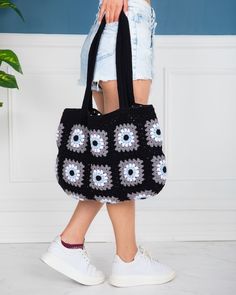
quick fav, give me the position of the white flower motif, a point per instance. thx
(73, 172)
(126, 138)
(77, 138)
(131, 172)
(77, 141)
(153, 133)
(100, 177)
(159, 169)
(98, 142)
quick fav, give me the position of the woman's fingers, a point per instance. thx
(125, 5)
(102, 10)
(112, 9)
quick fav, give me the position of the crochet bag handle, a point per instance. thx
(123, 64)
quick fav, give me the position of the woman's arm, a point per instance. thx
(112, 9)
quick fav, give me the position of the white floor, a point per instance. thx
(204, 268)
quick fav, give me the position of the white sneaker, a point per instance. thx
(74, 263)
(143, 270)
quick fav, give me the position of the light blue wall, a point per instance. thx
(174, 17)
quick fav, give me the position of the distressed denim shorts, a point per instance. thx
(142, 23)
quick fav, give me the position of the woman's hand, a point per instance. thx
(112, 9)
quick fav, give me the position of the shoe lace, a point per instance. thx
(85, 255)
(87, 259)
(147, 254)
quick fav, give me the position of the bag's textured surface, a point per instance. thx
(116, 156)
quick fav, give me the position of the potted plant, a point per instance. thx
(8, 56)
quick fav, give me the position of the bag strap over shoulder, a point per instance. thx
(123, 64)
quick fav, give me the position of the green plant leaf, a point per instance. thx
(7, 80)
(9, 4)
(10, 58)
(1, 103)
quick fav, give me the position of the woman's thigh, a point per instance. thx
(110, 94)
(99, 99)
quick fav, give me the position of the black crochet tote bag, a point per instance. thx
(116, 156)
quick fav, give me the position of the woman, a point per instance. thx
(132, 264)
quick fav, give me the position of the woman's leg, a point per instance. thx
(122, 215)
(110, 93)
(99, 99)
(85, 211)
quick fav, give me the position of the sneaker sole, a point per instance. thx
(62, 267)
(119, 281)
